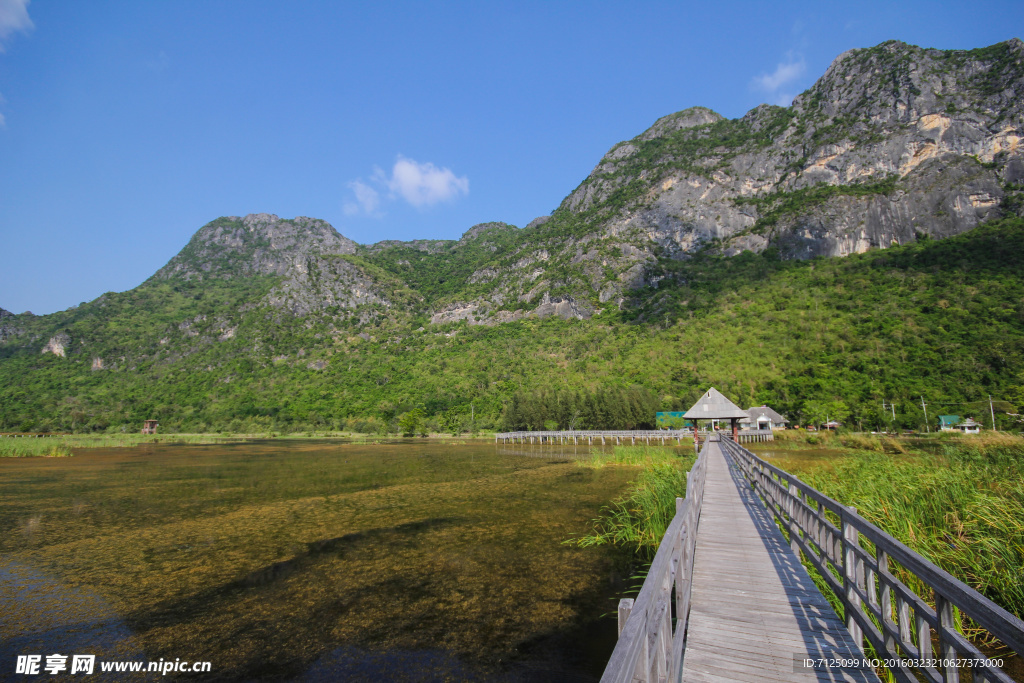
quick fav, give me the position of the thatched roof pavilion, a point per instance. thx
(714, 406)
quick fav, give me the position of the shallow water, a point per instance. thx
(280, 560)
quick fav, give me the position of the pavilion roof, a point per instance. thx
(714, 406)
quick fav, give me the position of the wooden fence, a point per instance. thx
(860, 562)
(649, 649)
(619, 437)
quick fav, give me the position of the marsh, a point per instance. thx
(312, 560)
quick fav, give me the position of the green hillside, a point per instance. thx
(942, 319)
(861, 247)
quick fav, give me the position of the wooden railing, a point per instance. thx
(859, 562)
(652, 629)
(591, 436)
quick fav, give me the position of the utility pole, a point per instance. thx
(992, 412)
(924, 407)
(891, 406)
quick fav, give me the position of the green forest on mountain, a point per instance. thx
(941, 320)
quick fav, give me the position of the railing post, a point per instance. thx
(947, 653)
(851, 562)
(794, 528)
(625, 607)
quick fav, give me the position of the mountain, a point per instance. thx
(801, 256)
(891, 144)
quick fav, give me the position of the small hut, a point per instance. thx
(149, 427)
(763, 418)
(714, 406)
(969, 426)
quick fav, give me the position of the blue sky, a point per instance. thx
(126, 126)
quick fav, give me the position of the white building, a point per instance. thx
(763, 418)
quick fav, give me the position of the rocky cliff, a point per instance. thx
(890, 143)
(306, 255)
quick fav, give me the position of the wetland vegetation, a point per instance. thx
(636, 521)
(276, 558)
(956, 500)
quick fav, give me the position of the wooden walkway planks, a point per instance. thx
(755, 612)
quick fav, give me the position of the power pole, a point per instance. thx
(992, 412)
(924, 407)
(891, 406)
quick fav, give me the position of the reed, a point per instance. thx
(963, 509)
(65, 445)
(637, 520)
(872, 442)
(50, 447)
(640, 455)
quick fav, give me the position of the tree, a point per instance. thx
(815, 412)
(451, 421)
(411, 421)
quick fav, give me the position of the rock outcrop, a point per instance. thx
(316, 283)
(258, 244)
(57, 345)
(8, 326)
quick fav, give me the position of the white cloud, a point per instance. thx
(784, 74)
(13, 17)
(425, 184)
(367, 199)
(421, 185)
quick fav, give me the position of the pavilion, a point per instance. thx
(714, 406)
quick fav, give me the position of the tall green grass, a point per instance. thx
(52, 447)
(637, 520)
(63, 446)
(963, 509)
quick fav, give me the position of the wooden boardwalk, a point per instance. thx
(593, 437)
(755, 614)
